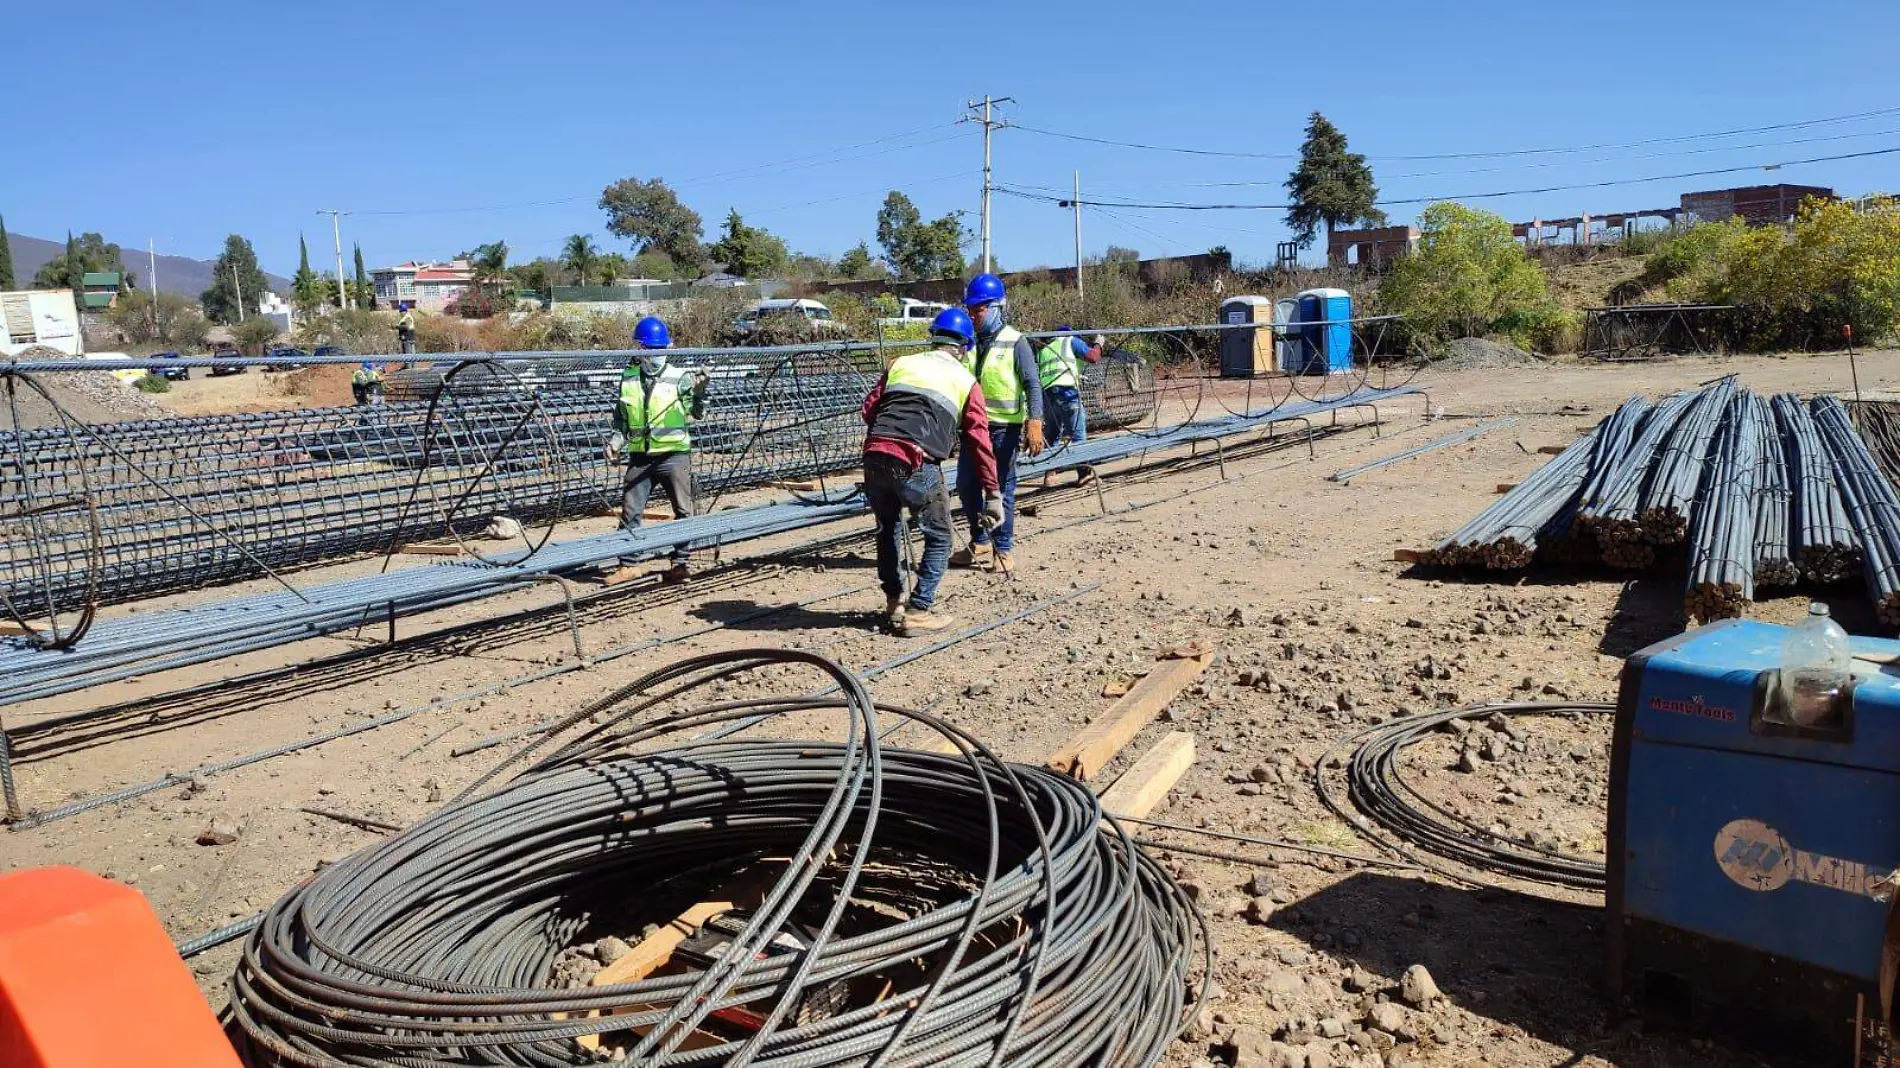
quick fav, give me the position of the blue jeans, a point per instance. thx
(1062, 415)
(1005, 439)
(890, 488)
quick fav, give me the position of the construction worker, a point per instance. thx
(1058, 364)
(406, 328)
(916, 415)
(656, 403)
(1004, 363)
(366, 384)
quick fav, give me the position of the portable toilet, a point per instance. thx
(1246, 353)
(1286, 339)
(1325, 345)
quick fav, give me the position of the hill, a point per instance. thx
(176, 274)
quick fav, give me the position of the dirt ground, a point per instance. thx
(1319, 632)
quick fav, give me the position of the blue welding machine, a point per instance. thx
(1750, 859)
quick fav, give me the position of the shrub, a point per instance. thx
(1468, 278)
(151, 383)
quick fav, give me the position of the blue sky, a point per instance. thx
(443, 126)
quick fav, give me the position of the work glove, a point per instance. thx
(992, 511)
(1032, 437)
(616, 448)
(1100, 341)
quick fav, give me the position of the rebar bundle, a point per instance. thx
(1505, 536)
(910, 908)
(1722, 539)
(1826, 546)
(1669, 493)
(1872, 505)
(1609, 512)
(1774, 561)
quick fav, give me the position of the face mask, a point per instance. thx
(653, 365)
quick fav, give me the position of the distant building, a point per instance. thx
(1373, 248)
(428, 286)
(1757, 205)
(274, 308)
(100, 290)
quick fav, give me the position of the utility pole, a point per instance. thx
(151, 277)
(343, 299)
(238, 285)
(990, 125)
(1080, 303)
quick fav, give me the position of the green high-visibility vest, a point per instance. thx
(360, 377)
(1056, 364)
(656, 420)
(995, 368)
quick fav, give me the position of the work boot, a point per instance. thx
(1085, 475)
(894, 610)
(676, 574)
(924, 621)
(625, 573)
(972, 555)
(1003, 564)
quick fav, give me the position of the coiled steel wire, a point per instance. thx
(979, 913)
(1379, 799)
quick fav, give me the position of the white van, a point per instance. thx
(913, 311)
(805, 308)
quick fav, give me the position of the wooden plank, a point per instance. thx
(431, 548)
(1409, 556)
(1552, 450)
(11, 629)
(802, 485)
(1143, 786)
(1096, 744)
(656, 949)
(1506, 487)
(655, 516)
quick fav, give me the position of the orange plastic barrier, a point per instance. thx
(88, 979)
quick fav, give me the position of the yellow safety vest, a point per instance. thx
(1002, 389)
(656, 422)
(924, 396)
(1056, 364)
(360, 377)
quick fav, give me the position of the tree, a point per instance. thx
(895, 222)
(6, 258)
(917, 249)
(653, 264)
(610, 266)
(1118, 254)
(364, 293)
(234, 272)
(170, 320)
(650, 214)
(579, 256)
(1331, 186)
(254, 335)
(1468, 277)
(748, 251)
(857, 264)
(88, 252)
(305, 291)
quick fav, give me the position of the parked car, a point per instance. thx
(811, 311)
(913, 311)
(325, 351)
(224, 352)
(284, 358)
(170, 373)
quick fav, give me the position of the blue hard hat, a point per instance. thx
(985, 288)
(366, 365)
(953, 324)
(651, 333)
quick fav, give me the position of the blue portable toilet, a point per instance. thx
(1325, 334)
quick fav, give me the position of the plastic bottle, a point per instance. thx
(1815, 661)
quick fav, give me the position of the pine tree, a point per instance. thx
(365, 294)
(306, 290)
(6, 258)
(1332, 186)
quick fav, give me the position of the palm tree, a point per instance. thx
(580, 255)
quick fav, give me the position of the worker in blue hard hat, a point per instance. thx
(366, 384)
(406, 327)
(1004, 363)
(657, 401)
(925, 405)
(1058, 363)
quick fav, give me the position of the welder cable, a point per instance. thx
(1377, 794)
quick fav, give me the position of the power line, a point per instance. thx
(1646, 142)
(1180, 206)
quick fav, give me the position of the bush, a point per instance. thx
(254, 335)
(1469, 278)
(358, 330)
(151, 383)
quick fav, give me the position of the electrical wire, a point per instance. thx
(992, 913)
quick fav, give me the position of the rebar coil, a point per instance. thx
(1013, 924)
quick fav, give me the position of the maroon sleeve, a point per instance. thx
(871, 399)
(976, 439)
(1094, 354)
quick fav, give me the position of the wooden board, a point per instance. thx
(431, 548)
(1096, 744)
(1506, 487)
(1143, 786)
(1409, 556)
(1552, 450)
(801, 485)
